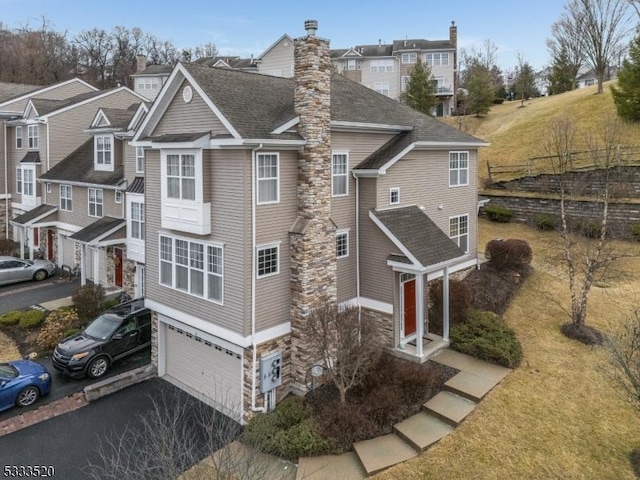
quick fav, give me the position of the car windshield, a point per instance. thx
(103, 326)
(7, 372)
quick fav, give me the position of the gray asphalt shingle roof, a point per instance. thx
(78, 167)
(46, 106)
(97, 229)
(177, 137)
(9, 91)
(39, 211)
(154, 70)
(120, 117)
(31, 157)
(137, 186)
(419, 235)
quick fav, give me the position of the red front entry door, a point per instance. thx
(118, 266)
(50, 240)
(409, 304)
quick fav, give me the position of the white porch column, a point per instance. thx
(31, 241)
(419, 312)
(23, 240)
(445, 303)
(83, 264)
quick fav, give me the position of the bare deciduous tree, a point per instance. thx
(346, 344)
(177, 434)
(601, 27)
(585, 259)
(623, 348)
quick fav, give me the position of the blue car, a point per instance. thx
(22, 382)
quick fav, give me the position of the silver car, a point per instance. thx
(14, 270)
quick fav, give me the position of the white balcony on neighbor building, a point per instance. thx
(186, 216)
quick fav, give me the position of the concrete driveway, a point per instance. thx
(71, 442)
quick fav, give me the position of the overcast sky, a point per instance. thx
(249, 26)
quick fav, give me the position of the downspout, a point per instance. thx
(254, 408)
(357, 240)
(6, 182)
(48, 149)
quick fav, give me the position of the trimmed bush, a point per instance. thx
(88, 301)
(588, 228)
(460, 297)
(55, 328)
(32, 318)
(583, 334)
(485, 336)
(10, 318)
(510, 254)
(498, 213)
(635, 231)
(545, 221)
(498, 101)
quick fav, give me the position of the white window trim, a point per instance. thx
(382, 88)
(96, 203)
(32, 135)
(48, 186)
(265, 247)
(346, 174)
(19, 137)
(344, 232)
(467, 234)
(117, 196)
(21, 180)
(140, 221)
(404, 82)
(391, 191)
(19, 186)
(198, 175)
(69, 199)
(205, 270)
(453, 185)
(409, 56)
(104, 166)
(265, 154)
(139, 160)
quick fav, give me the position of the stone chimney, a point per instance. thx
(312, 236)
(141, 63)
(453, 35)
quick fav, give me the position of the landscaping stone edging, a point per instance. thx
(114, 384)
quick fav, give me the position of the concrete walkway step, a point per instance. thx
(469, 364)
(470, 386)
(343, 467)
(382, 452)
(422, 430)
(449, 407)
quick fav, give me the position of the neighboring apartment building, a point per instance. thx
(13, 101)
(237, 63)
(384, 68)
(68, 184)
(267, 197)
(149, 79)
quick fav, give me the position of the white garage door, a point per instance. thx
(205, 369)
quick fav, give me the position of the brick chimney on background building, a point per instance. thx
(141, 63)
(312, 236)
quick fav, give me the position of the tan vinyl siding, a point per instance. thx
(376, 277)
(110, 207)
(230, 224)
(392, 78)
(120, 234)
(79, 215)
(195, 116)
(66, 130)
(129, 159)
(273, 222)
(280, 57)
(433, 191)
(359, 146)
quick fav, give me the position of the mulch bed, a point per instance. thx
(24, 339)
(393, 391)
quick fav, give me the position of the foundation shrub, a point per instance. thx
(32, 318)
(460, 298)
(55, 328)
(486, 336)
(511, 254)
(10, 318)
(88, 301)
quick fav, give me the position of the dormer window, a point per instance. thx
(103, 152)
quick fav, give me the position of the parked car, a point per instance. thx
(13, 270)
(117, 333)
(22, 383)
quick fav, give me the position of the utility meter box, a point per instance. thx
(270, 372)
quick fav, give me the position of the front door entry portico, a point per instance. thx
(409, 307)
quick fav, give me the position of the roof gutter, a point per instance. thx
(6, 184)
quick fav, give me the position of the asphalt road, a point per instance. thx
(24, 294)
(71, 442)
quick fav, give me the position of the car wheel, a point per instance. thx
(98, 367)
(27, 396)
(40, 275)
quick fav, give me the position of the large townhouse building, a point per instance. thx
(66, 158)
(382, 67)
(266, 197)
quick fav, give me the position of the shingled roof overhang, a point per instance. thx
(38, 214)
(418, 238)
(99, 230)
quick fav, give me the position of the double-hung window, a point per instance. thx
(394, 196)
(379, 66)
(409, 57)
(193, 267)
(267, 177)
(342, 243)
(437, 59)
(18, 180)
(458, 168)
(32, 132)
(103, 152)
(139, 159)
(18, 136)
(267, 260)
(381, 87)
(459, 231)
(66, 198)
(95, 202)
(405, 82)
(25, 181)
(181, 176)
(352, 64)
(137, 220)
(339, 174)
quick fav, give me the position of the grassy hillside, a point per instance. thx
(517, 134)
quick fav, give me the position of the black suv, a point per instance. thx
(117, 333)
